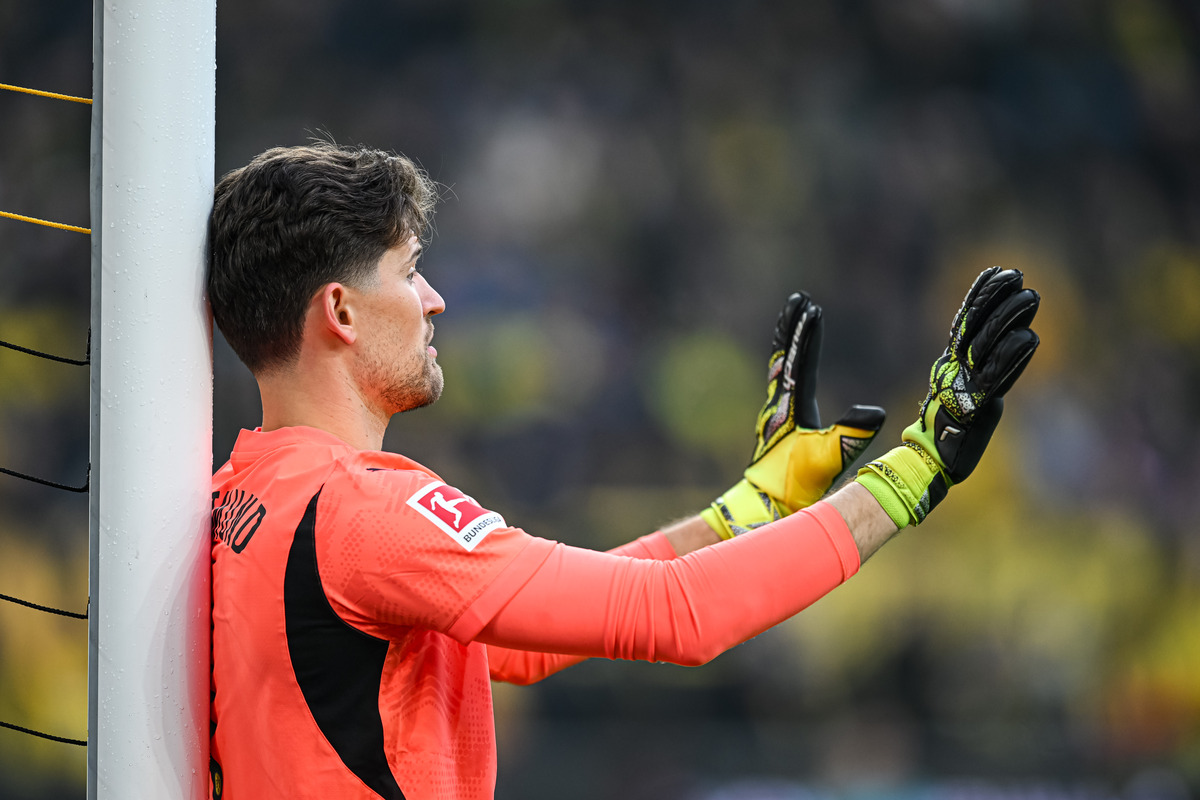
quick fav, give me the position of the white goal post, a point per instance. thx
(153, 135)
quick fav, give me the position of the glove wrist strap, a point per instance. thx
(743, 507)
(907, 482)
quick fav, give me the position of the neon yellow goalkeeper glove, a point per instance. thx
(795, 460)
(990, 345)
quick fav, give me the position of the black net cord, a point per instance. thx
(39, 734)
(44, 482)
(47, 609)
(85, 361)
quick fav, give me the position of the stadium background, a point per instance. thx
(632, 189)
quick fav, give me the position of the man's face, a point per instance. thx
(398, 369)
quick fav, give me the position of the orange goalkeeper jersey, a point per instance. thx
(347, 588)
(353, 592)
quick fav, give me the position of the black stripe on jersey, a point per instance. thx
(339, 668)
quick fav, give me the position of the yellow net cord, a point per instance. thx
(34, 220)
(61, 226)
(54, 95)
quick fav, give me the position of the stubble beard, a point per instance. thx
(404, 387)
(415, 388)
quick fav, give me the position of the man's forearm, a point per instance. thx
(691, 533)
(684, 610)
(869, 524)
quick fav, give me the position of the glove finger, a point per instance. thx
(1017, 311)
(802, 358)
(786, 322)
(790, 346)
(981, 281)
(969, 300)
(782, 335)
(991, 295)
(867, 418)
(1009, 359)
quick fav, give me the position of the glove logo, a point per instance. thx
(455, 514)
(950, 431)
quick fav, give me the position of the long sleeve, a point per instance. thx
(686, 610)
(524, 667)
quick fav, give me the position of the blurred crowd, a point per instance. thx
(630, 191)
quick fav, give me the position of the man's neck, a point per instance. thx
(326, 404)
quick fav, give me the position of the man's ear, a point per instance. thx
(336, 314)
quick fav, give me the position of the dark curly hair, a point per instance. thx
(295, 219)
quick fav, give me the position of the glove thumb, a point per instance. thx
(856, 429)
(866, 418)
(807, 463)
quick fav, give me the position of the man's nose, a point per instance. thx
(431, 302)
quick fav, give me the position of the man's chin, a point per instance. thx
(429, 392)
(428, 400)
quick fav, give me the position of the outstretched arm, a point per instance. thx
(524, 667)
(795, 461)
(869, 525)
(690, 609)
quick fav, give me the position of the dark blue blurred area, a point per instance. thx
(630, 191)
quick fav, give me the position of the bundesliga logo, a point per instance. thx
(455, 513)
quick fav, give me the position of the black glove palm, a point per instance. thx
(990, 345)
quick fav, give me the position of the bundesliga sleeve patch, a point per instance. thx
(456, 514)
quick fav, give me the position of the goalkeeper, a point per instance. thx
(361, 604)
